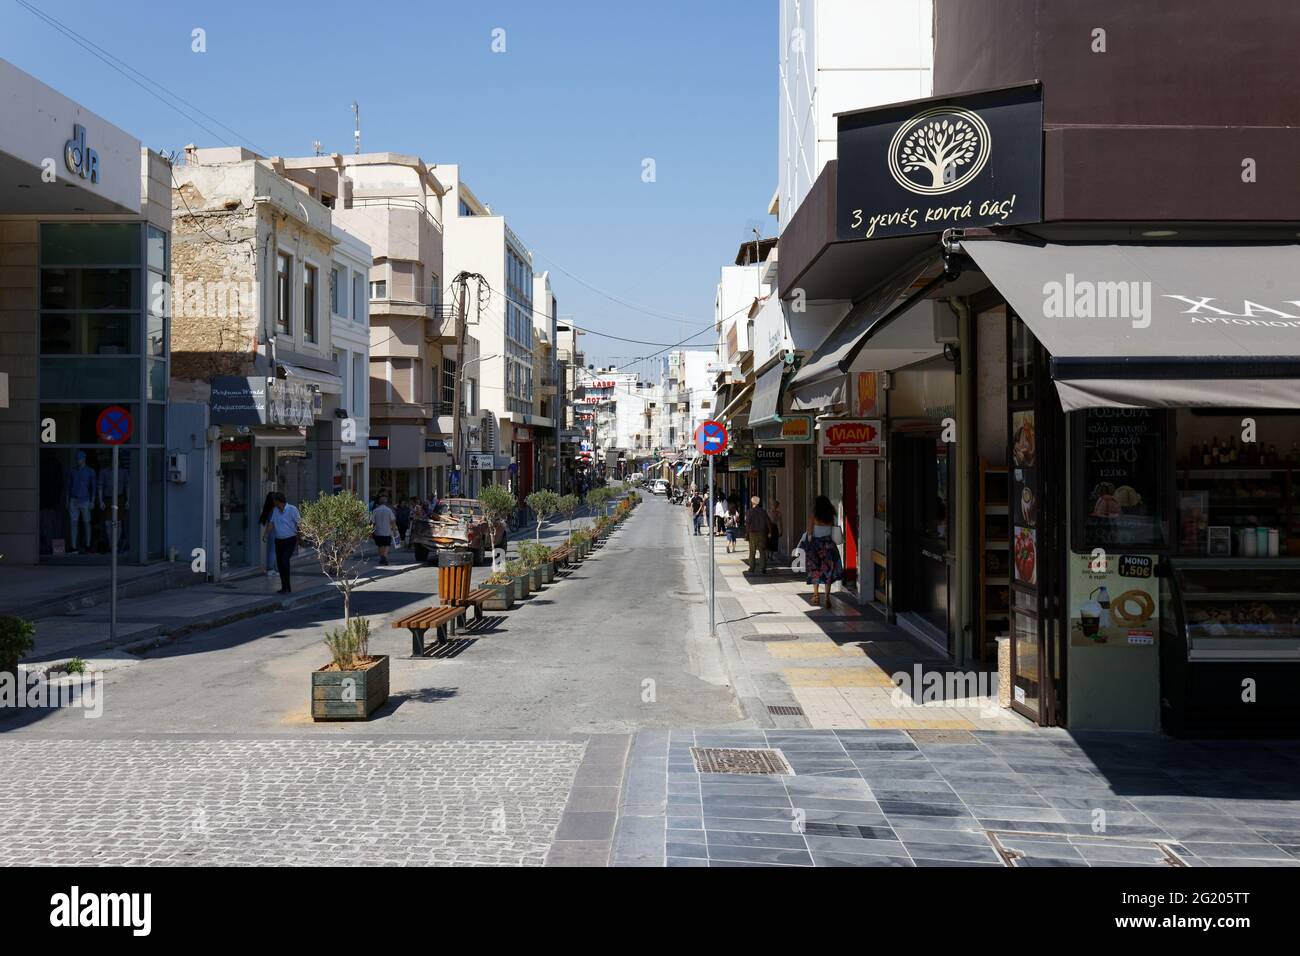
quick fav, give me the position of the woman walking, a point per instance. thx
(774, 531)
(821, 549)
(731, 524)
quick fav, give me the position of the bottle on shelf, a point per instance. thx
(1214, 452)
(1205, 454)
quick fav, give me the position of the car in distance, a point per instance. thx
(457, 524)
(660, 487)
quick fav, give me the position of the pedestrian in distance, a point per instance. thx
(757, 527)
(698, 516)
(384, 520)
(284, 525)
(821, 549)
(719, 515)
(268, 535)
(731, 526)
(774, 535)
(403, 515)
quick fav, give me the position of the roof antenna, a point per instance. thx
(316, 146)
(356, 133)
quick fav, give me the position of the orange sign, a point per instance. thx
(851, 438)
(866, 397)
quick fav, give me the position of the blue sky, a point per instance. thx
(551, 133)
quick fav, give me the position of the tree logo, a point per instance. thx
(939, 150)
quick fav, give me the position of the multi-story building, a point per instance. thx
(571, 363)
(541, 459)
(397, 206)
(269, 329)
(85, 217)
(503, 321)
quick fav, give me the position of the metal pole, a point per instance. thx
(112, 620)
(713, 585)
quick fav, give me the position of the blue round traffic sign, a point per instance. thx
(113, 426)
(711, 438)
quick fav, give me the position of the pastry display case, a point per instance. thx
(1235, 609)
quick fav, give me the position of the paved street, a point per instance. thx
(562, 734)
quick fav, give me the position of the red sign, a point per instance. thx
(113, 426)
(859, 438)
(711, 438)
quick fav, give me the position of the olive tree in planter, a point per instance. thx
(544, 504)
(518, 573)
(503, 587)
(354, 684)
(569, 506)
(498, 505)
(17, 638)
(537, 557)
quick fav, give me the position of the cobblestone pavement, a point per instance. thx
(925, 798)
(199, 800)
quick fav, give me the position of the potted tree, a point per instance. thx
(504, 587)
(518, 573)
(544, 504)
(17, 638)
(355, 683)
(498, 505)
(537, 557)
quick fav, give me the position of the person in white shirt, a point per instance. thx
(284, 526)
(719, 515)
(383, 518)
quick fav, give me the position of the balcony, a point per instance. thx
(440, 325)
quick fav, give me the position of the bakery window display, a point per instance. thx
(1239, 609)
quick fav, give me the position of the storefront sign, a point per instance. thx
(770, 457)
(865, 394)
(1114, 600)
(856, 438)
(523, 434)
(237, 400)
(791, 430)
(481, 462)
(1122, 472)
(436, 445)
(377, 441)
(78, 157)
(943, 163)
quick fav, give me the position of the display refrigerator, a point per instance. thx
(1230, 647)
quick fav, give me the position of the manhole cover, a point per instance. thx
(731, 760)
(1020, 848)
(943, 736)
(784, 710)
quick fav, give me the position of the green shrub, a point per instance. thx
(534, 554)
(516, 568)
(75, 666)
(349, 645)
(17, 638)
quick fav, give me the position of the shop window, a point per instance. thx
(1122, 474)
(284, 296)
(309, 330)
(90, 379)
(157, 381)
(90, 289)
(94, 334)
(72, 243)
(84, 525)
(74, 423)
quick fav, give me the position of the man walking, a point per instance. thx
(284, 525)
(697, 512)
(757, 527)
(384, 519)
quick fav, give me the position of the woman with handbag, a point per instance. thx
(821, 549)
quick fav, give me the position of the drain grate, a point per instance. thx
(785, 710)
(943, 736)
(848, 830)
(736, 760)
(1020, 848)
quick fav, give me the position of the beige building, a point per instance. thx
(270, 331)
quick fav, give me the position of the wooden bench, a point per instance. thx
(562, 554)
(475, 600)
(439, 618)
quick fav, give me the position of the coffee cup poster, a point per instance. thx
(1115, 607)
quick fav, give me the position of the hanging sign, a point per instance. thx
(851, 438)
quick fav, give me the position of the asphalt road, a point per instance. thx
(618, 645)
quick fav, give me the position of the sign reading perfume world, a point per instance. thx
(959, 162)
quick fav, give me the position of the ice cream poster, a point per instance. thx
(1114, 600)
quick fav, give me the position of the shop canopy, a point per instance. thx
(766, 404)
(327, 382)
(823, 380)
(1152, 326)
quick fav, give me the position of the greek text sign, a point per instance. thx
(945, 163)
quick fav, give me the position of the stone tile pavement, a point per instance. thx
(838, 664)
(867, 797)
(226, 801)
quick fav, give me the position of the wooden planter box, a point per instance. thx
(535, 579)
(547, 569)
(521, 587)
(351, 694)
(504, 599)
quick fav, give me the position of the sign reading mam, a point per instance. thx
(850, 438)
(948, 163)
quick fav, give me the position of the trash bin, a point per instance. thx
(454, 568)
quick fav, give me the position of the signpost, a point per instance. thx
(113, 426)
(711, 440)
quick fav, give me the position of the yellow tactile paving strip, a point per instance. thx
(799, 649)
(837, 677)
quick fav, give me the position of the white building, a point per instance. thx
(839, 55)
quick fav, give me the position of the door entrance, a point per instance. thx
(924, 533)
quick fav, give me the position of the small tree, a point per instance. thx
(568, 506)
(337, 526)
(498, 503)
(544, 504)
(596, 499)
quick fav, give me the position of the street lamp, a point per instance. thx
(456, 449)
